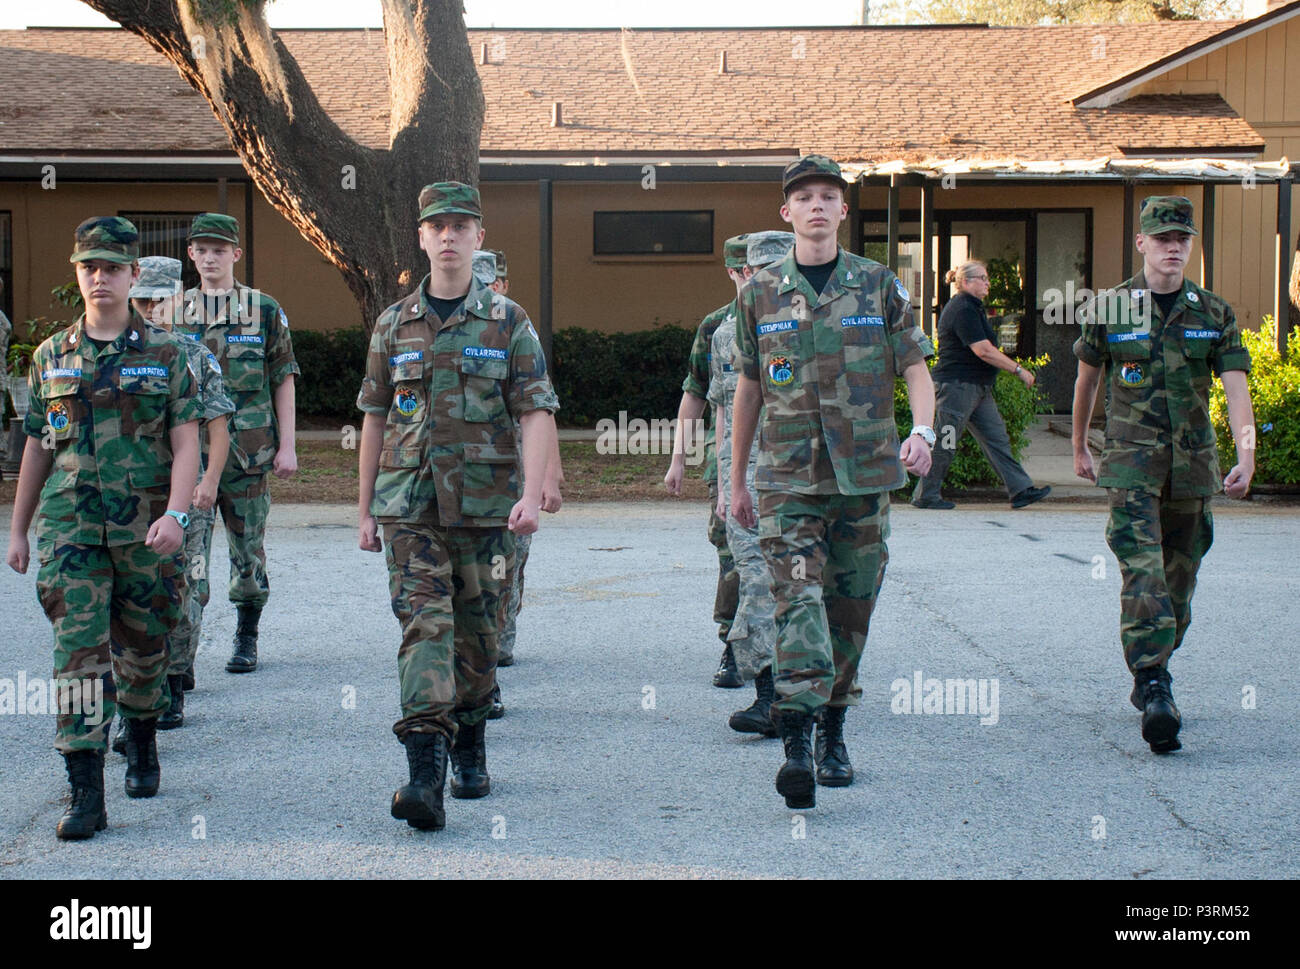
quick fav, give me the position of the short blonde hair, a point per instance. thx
(965, 271)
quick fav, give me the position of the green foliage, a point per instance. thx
(1018, 405)
(596, 374)
(333, 363)
(1006, 293)
(1275, 396)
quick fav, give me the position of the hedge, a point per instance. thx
(1275, 396)
(597, 375)
(332, 363)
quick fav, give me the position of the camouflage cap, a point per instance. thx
(501, 262)
(214, 225)
(108, 237)
(766, 248)
(733, 251)
(1163, 213)
(160, 277)
(485, 266)
(445, 197)
(811, 166)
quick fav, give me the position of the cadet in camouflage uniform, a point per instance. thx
(753, 632)
(452, 369)
(157, 297)
(6, 328)
(248, 333)
(1157, 339)
(695, 391)
(112, 456)
(821, 337)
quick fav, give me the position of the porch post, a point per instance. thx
(892, 255)
(1207, 235)
(927, 267)
(1282, 264)
(1128, 229)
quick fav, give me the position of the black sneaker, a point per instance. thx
(939, 504)
(1029, 496)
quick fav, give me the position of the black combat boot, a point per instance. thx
(1135, 697)
(419, 803)
(1160, 718)
(85, 814)
(119, 735)
(244, 658)
(727, 677)
(833, 767)
(469, 776)
(795, 781)
(757, 718)
(188, 677)
(498, 708)
(142, 770)
(175, 715)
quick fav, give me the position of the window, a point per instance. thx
(163, 234)
(654, 233)
(7, 266)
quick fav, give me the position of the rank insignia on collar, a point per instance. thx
(1192, 297)
(785, 280)
(1136, 294)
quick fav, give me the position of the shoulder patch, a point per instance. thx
(901, 289)
(212, 362)
(284, 320)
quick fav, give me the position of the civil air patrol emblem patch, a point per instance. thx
(408, 402)
(902, 290)
(57, 415)
(780, 371)
(1132, 374)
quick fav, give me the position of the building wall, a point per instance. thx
(1259, 77)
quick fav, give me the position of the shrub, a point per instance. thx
(1275, 394)
(596, 375)
(333, 363)
(1018, 406)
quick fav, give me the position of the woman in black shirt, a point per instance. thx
(969, 361)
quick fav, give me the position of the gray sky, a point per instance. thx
(493, 13)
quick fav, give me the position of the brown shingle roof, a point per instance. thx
(857, 94)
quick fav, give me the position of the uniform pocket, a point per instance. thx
(490, 483)
(63, 408)
(144, 402)
(875, 452)
(245, 370)
(483, 399)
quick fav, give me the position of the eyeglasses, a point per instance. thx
(982, 279)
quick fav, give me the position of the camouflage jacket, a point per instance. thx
(248, 333)
(826, 367)
(451, 394)
(1158, 374)
(698, 376)
(212, 391)
(107, 415)
(6, 328)
(724, 371)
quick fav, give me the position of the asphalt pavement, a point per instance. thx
(615, 759)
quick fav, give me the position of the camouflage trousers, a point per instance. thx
(244, 501)
(753, 632)
(183, 643)
(1159, 543)
(727, 597)
(515, 601)
(448, 588)
(827, 558)
(111, 609)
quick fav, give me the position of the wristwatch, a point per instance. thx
(926, 434)
(181, 517)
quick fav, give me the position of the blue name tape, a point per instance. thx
(61, 372)
(863, 321)
(1126, 337)
(254, 338)
(486, 353)
(780, 326)
(1201, 334)
(405, 357)
(144, 371)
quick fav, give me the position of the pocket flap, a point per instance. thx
(490, 454)
(148, 478)
(407, 365)
(494, 368)
(873, 430)
(399, 457)
(785, 430)
(59, 387)
(143, 380)
(246, 420)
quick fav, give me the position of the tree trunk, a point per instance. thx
(355, 204)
